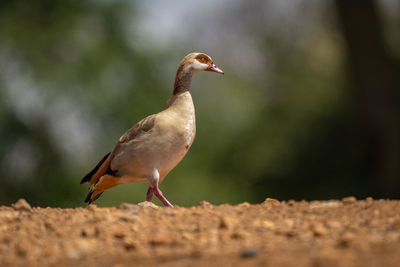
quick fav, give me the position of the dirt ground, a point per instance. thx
(345, 232)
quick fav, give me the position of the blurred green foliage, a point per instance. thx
(72, 81)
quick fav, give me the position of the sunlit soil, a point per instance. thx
(343, 232)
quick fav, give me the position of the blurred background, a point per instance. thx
(308, 108)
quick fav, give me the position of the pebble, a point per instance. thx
(22, 249)
(161, 239)
(249, 253)
(227, 222)
(244, 205)
(239, 234)
(148, 204)
(334, 224)
(49, 226)
(271, 201)
(83, 245)
(49, 251)
(205, 204)
(129, 245)
(119, 235)
(92, 207)
(129, 206)
(90, 232)
(74, 255)
(349, 200)
(320, 230)
(267, 224)
(345, 239)
(289, 222)
(325, 204)
(22, 205)
(396, 224)
(369, 199)
(129, 219)
(188, 236)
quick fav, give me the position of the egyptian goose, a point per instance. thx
(155, 145)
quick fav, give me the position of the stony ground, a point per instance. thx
(343, 232)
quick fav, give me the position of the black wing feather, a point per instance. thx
(88, 176)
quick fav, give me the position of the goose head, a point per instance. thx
(198, 62)
(190, 65)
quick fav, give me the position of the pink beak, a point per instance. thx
(214, 68)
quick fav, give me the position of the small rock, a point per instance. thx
(129, 219)
(129, 245)
(91, 207)
(196, 254)
(271, 201)
(238, 234)
(249, 253)
(22, 205)
(334, 224)
(345, 239)
(127, 206)
(49, 251)
(74, 255)
(148, 204)
(9, 214)
(349, 200)
(83, 245)
(396, 224)
(170, 212)
(369, 199)
(90, 232)
(49, 226)
(119, 235)
(6, 239)
(291, 202)
(320, 230)
(267, 224)
(289, 222)
(391, 228)
(84, 233)
(205, 204)
(244, 205)
(227, 222)
(161, 239)
(289, 233)
(22, 249)
(325, 204)
(285, 232)
(187, 236)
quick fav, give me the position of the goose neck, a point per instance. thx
(183, 80)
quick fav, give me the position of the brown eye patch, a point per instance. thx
(203, 58)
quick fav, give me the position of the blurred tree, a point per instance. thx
(67, 69)
(305, 139)
(375, 90)
(301, 142)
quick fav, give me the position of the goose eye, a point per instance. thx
(202, 59)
